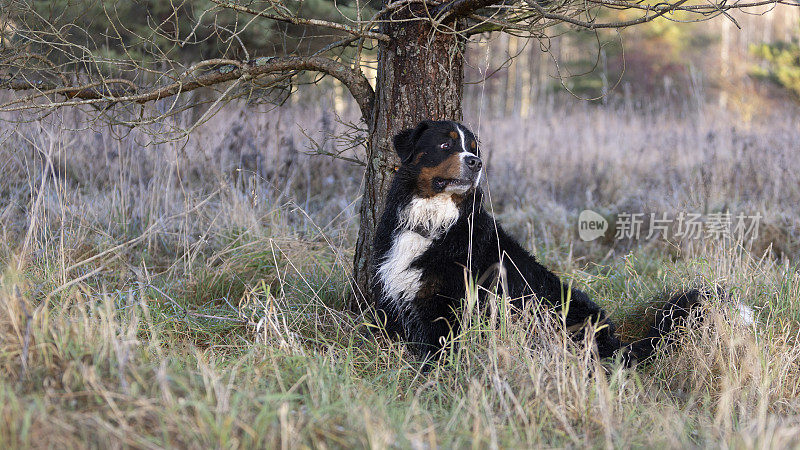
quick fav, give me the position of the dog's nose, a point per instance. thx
(474, 163)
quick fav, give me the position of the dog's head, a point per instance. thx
(443, 155)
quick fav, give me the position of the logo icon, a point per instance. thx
(591, 225)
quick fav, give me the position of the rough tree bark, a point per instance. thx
(420, 76)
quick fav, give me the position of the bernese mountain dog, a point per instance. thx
(434, 228)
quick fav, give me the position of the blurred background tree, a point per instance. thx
(781, 63)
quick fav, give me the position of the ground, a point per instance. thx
(190, 293)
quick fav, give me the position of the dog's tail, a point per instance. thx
(668, 320)
(671, 318)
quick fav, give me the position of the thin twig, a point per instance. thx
(27, 339)
(303, 21)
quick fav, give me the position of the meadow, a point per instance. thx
(191, 292)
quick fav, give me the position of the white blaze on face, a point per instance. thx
(466, 153)
(463, 138)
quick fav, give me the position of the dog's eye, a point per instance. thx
(445, 145)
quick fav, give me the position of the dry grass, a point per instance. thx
(156, 296)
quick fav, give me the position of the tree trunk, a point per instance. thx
(420, 76)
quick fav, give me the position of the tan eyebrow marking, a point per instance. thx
(473, 145)
(454, 135)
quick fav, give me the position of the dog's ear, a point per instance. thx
(406, 140)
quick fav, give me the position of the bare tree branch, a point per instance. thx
(98, 92)
(708, 7)
(535, 11)
(461, 8)
(595, 25)
(303, 21)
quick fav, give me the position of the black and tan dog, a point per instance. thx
(434, 226)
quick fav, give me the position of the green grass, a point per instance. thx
(279, 364)
(194, 314)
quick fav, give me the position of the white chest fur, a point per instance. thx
(433, 216)
(400, 281)
(422, 221)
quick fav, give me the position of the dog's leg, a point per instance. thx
(582, 312)
(427, 330)
(387, 320)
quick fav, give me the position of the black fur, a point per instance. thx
(432, 313)
(405, 141)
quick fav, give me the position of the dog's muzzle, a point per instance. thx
(471, 169)
(473, 163)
